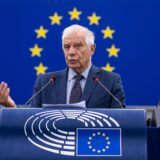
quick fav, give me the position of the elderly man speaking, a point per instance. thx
(80, 81)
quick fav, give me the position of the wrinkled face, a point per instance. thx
(77, 52)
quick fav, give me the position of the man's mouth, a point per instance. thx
(72, 61)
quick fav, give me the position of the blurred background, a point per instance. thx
(127, 37)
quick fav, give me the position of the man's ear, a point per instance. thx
(93, 47)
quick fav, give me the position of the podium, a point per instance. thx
(73, 134)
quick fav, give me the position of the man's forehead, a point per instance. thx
(74, 39)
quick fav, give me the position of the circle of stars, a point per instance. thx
(95, 148)
(56, 18)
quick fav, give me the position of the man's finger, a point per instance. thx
(1, 86)
(3, 90)
(6, 94)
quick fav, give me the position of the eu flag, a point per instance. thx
(98, 142)
(127, 42)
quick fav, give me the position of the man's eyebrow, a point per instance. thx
(66, 44)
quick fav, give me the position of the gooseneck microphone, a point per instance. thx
(51, 80)
(96, 80)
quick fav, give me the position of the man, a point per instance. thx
(78, 82)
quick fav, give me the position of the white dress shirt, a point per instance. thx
(71, 81)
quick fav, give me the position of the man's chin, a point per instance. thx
(74, 67)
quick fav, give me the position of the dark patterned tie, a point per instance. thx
(76, 92)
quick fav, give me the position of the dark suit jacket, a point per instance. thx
(94, 95)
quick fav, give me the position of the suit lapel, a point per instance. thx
(61, 86)
(90, 84)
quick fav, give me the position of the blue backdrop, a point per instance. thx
(127, 37)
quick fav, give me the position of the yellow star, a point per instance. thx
(108, 33)
(108, 68)
(113, 51)
(41, 32)
(36, 51)
(40, 69)
(55, 19)
(75, 14)
(94, 19)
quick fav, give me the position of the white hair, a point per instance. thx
(75, 28)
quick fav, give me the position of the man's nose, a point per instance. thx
(71, 51)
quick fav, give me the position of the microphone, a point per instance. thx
(96, 80)
(51, 80)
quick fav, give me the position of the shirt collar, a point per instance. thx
(72, 73)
